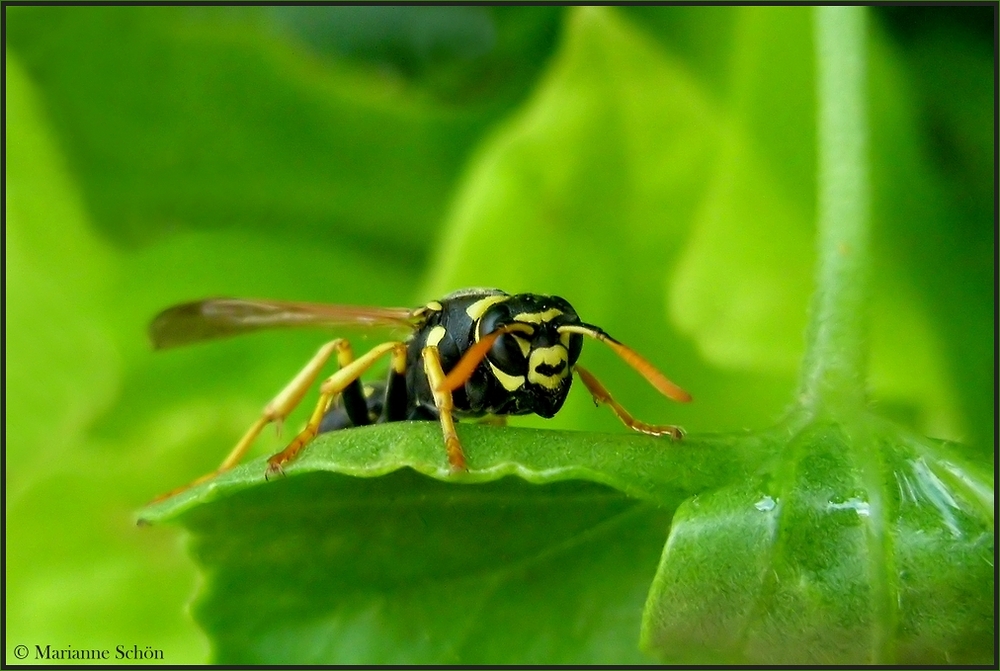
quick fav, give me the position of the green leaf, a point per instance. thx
(832, 553)
(653, 469)
(589, 193)
(858, 545)
(402, 570)
(74, 577)
(210, 118)
(358, 558)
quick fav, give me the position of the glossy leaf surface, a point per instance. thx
(542, 552)
(859, 545)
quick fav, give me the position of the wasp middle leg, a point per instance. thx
(344, 381)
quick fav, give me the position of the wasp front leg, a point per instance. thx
(343, 381)
(602, 395)
(443, 402)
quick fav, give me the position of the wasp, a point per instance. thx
(474, 353)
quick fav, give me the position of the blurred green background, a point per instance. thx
(653, 165)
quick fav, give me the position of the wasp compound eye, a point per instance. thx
(510, 353)
(573, 342)
(494, 318)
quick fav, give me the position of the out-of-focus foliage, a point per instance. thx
(655, 166)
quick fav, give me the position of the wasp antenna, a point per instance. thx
(632, 358)
(473, 356)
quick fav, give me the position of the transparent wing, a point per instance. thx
(222, 317)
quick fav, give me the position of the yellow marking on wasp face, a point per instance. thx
(538, 317)
(564, 339)
(523, 344)
(435, 336)
(551, 356)
(509, 382)
(435, 306)
(479, 308)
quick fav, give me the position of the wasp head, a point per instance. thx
(532, 360)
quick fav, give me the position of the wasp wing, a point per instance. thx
(222, 317)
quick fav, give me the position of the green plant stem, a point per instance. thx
(833, 373)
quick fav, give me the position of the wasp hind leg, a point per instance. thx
(603, 396)
(344, 381)
(278, 408)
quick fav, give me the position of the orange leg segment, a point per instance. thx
(602, 395)
(350, 371)
(278, 408)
